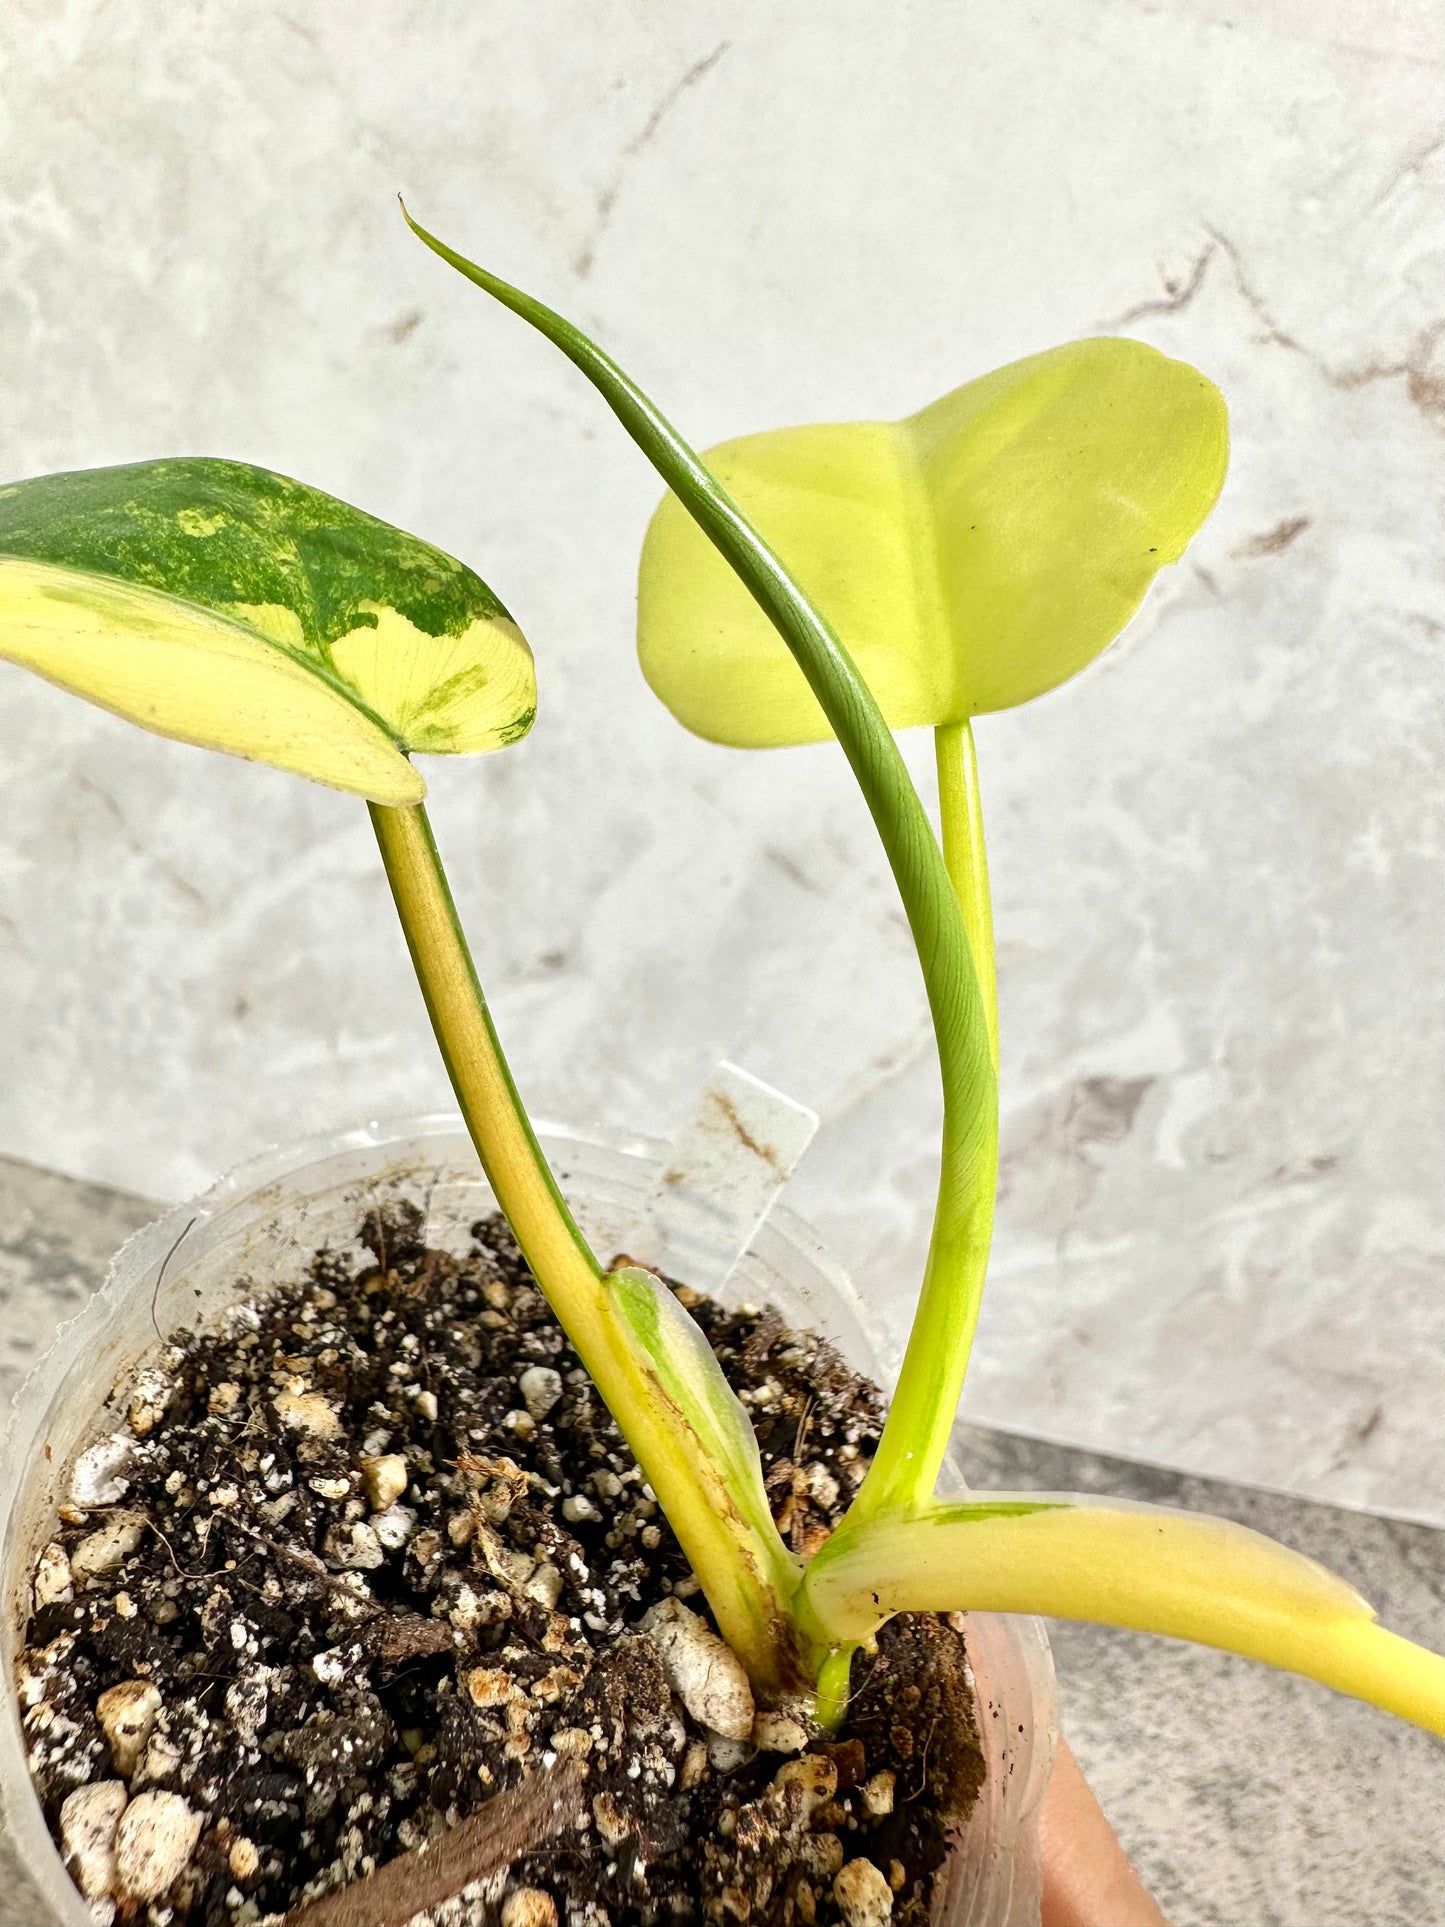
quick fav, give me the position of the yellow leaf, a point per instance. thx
(193, 676)
(969, 558)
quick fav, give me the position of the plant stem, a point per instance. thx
(915, 1437)
(748, 1579)
(960, 808)
(905, 1468)
(513, 1160)
(833, 1684)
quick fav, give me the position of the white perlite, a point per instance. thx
(704, 1673)
(53, 1583)
(489, 1685)
(148, 1402)
(308, 1412)
(127, 1715)
(822, 1487)
(545, 1586)
(162, 1761)
(96, 1476)
(153, 1845)
(816, 1778)
(394, 1526)
(863, 1894)
(356, 1547)
(726, 1756)
(529, 1907)
(88, 1821)
(541, 1388)
(878, 1794)
(244, 1858)
(109, 1546)
(248, 1703)
(386, 1478)
(779, 1733)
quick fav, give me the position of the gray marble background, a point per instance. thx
(1218, 857)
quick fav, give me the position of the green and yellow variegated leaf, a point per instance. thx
(970, 557)
(676, 1355)
(226, 606)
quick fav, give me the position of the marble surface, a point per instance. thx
(1218, 857)
(57, 1236)
(1243, 1796)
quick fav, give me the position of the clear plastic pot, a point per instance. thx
(256, 1228)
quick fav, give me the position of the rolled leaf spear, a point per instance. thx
(973, 556)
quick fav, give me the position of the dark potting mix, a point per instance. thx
(370, 1570)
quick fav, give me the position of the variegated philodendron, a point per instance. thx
(843, 579)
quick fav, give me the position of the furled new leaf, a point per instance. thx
(970, 557)
(226, 606)
(675, 1354)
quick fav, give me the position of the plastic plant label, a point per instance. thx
(727, 1165)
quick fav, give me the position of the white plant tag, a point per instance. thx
(726, 1167)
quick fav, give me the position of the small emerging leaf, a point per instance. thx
(230, 607)
(970, 557)
(676, 1355)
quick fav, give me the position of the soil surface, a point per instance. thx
(374, 1553)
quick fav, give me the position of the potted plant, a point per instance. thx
(969, 558)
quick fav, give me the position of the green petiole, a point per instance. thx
(960, 810)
